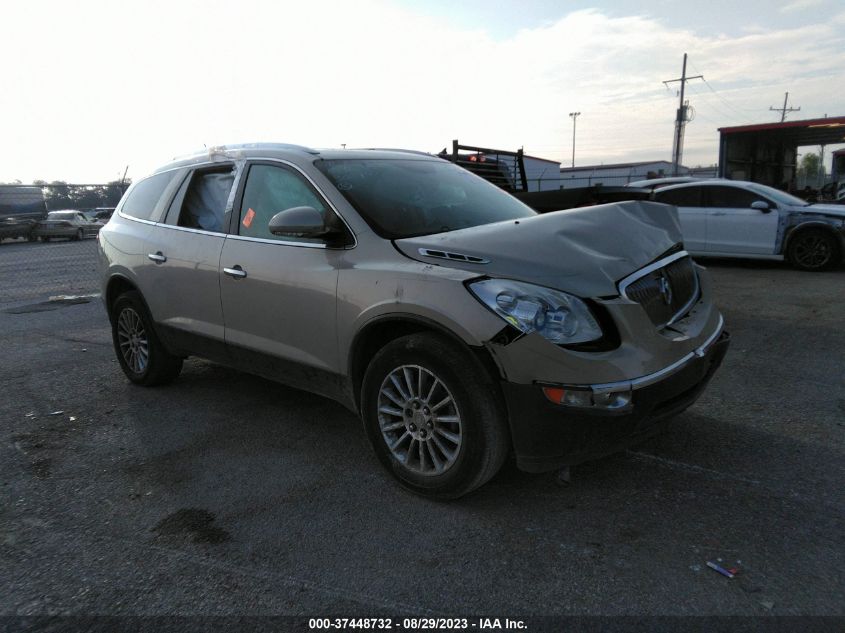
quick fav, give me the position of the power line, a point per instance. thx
(742, 111)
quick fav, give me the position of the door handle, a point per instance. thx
(719, 213)
(158, 257)
(236, 271)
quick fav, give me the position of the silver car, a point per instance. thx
(70, 224)
(459, 324)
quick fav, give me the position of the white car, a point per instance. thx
(731, 218)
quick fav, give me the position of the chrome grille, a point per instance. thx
(666, 292)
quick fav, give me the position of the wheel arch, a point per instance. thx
(838, 236)
(380, 331)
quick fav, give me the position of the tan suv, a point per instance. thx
(458, 323)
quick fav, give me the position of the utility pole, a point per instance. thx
(574, 116)
(784, 109)
(681, 118)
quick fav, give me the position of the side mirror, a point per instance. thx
(761, 205)
(299, 222)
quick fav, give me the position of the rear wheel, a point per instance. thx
(434, 416)
(813, 250)
(140, 353)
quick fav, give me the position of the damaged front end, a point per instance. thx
(568, 404)
(589, 374)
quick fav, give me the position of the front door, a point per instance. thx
(733, 226)
(279, 293)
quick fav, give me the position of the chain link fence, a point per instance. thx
(36, 271)
(37, 263)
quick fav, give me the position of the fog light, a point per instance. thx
(586, 399)
(612, 399)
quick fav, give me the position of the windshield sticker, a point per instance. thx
(250, 215)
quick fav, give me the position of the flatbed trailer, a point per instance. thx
(506, 169)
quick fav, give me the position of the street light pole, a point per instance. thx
(574, 116)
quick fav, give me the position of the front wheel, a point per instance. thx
(813, 250)
(79, 235)
(434, 416)
(140, 353)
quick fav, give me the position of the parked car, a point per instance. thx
(72, 225)
(731, 218)
(457, 322)
(102, 214)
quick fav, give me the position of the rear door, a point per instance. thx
(184, 261)
(279, 293)
(733, 226)
(691, 212)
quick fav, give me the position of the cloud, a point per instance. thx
(150, 80)
(800, 5)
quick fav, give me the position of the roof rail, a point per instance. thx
(223, 150)
(396, 149)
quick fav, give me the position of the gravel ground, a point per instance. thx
(225, 494)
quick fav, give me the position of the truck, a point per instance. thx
(21, 208)
(507, 170)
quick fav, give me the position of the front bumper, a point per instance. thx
(547, 436)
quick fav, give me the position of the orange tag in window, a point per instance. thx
(250, 215)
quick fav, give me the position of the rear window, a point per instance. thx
(144, 196)
(61, 215)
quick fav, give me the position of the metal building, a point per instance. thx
(618, 174)
(767, 153)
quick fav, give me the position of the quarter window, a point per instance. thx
(270, 189)
(683, 197)
(142, 200)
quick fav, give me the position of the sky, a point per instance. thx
(90, 88)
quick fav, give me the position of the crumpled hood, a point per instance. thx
(582, 251)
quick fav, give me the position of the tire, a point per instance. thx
(79, 235)
(139, 351)
(45, 238)
(813, 250)
(470, 446)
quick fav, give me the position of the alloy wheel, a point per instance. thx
(132, 339)
(812, 251)
(419, 420)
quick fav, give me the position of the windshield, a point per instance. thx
(406, 198)
(781, 197)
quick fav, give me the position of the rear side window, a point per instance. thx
(683, 197)
(204, 204)
(145, 195)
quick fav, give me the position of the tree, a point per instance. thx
(809, 166)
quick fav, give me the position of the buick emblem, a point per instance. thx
(665, 289)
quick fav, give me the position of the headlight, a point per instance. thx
(559, 317)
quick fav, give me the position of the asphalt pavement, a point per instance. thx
(226, 494)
